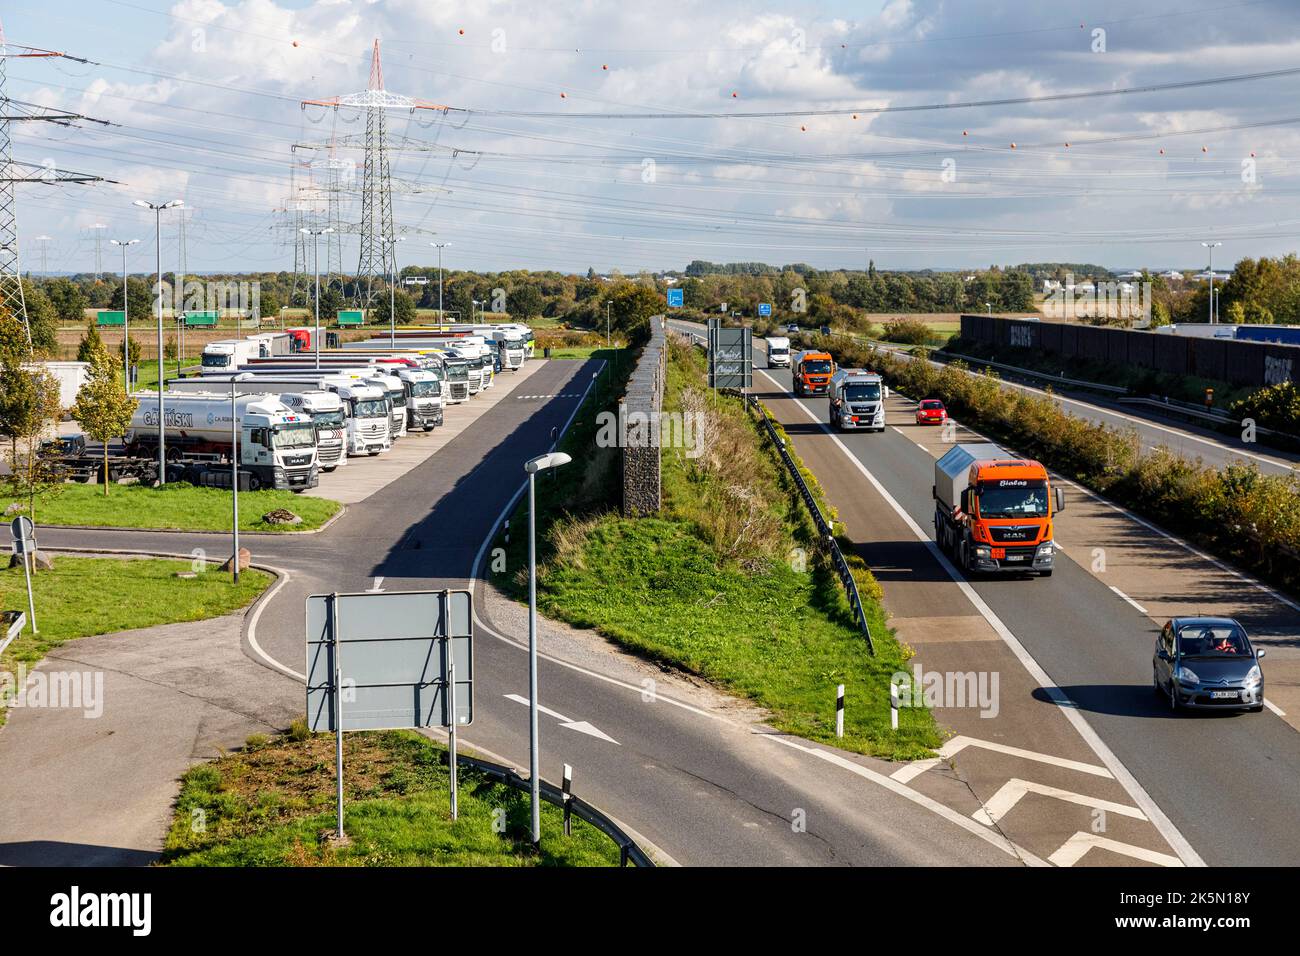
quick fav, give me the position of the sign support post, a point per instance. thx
(451, 695)
(338, 705)
(24, 533)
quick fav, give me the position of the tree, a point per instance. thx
(29, 400)
(631, 305)
(141, 299)
(68, 299)
(525, 301)
(403, 305)
(103, 408)
(41, 319)
(90, 343)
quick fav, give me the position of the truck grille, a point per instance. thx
(297, 461)
(459, 390)
(1001, 533)
(330, 453)
(863, 409)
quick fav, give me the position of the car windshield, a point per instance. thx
(421, 389)
(370, 408)
(1013, 498)
(862, 393)
(332, 419)
(1213, 640)
(294, 436)
(932, 405)
(817, 367)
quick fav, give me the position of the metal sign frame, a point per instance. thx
(397, 644)
(23, 530)
(730, 356)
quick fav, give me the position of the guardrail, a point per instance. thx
(823, 526)
(1030, 373)
(628, 850)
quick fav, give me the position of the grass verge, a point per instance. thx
(726, 582)
(176, 506)
(85, 596)
(268, 804)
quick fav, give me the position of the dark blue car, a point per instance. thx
(1207, 663)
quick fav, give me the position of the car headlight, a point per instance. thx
(982, 552)
(1254, 677)
(1186, 675)
(1044, 550)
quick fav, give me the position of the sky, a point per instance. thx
(616, 135)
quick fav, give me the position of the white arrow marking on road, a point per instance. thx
(1073, 849)
(1009, 794)
(376, 589)
(579, 725)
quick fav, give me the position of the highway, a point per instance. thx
(701, 780)
(1222, 782)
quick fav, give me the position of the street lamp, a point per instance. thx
(157, 223)
(542, 462)
(472, 304)
(315, 265)
(392, 286)
(989, 306)
(1210, 246)
(126, 334)
(234, 469)
(440, 246)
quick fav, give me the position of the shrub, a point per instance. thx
(1274, 406)
(907, 331)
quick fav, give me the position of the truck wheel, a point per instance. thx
(254, 483)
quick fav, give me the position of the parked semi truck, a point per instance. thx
(812, 370)
(993, 511)
(778, 351)
(423, 396)
(395, 392)
(304, 396)
(366, 411)
(857, 400)
(277, 446)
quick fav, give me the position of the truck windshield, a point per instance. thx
(514, 344)
(216, 359)
(1013, 498)
(328, 419)
(369, 408)
(294, 436)
(778, 350)
(817, 367)
(457, 373)
(862, 393)
(399, 398)
(424, 389)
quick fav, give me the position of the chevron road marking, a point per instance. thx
(1009, 794)
(1073, 850)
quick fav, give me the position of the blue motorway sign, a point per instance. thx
(765, 308)
(676, 298)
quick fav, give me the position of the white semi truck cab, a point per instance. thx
(228, 354)
(326, 412)
(457, 371)
(423, 396)
(511, 345)
(396, 394)
(277, 445)
(365, 409)
(778, 351)
(857, 400)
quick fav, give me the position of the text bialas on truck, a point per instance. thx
(993, 511)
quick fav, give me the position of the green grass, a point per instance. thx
(84, 596)
(269, 804)
(176, 506)
(755, 623)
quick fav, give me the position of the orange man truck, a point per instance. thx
(993, 511)
(811, 370)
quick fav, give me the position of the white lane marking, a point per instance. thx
(1068, 707)
(1274, 707)
(959, 743)
(377, 587)
(906, 792)
(914, 769)
(581, 726)
(1140, 608)
(1073, 850)
(1009, 794)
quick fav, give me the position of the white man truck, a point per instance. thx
(227, 355)
(277, 446)
(324, 408)
(778, 352)
(423, 396)
(857, 400)
(511, 344)
(365, 408)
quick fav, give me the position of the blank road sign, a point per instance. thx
(392, 655)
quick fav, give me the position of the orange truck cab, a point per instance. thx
(993, 511)
(811, 370)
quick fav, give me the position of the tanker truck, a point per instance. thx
(277, 446)
(993, 511)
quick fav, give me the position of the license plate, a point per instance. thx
(999, 554)
(1223, 694)
(1015, 557)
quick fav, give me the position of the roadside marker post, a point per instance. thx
(567, 798)
(839, 711)
(893, 706)
(24, 532)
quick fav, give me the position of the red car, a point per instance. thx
(931, 412)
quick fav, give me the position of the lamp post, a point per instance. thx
(392, 286)
(234, 470)
(126, 333)
(472, 304)
(1210, 246)
(315, 266)
(989, 306)
(440, 246)
(606, 324)
(157, 222)
(541, 463)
